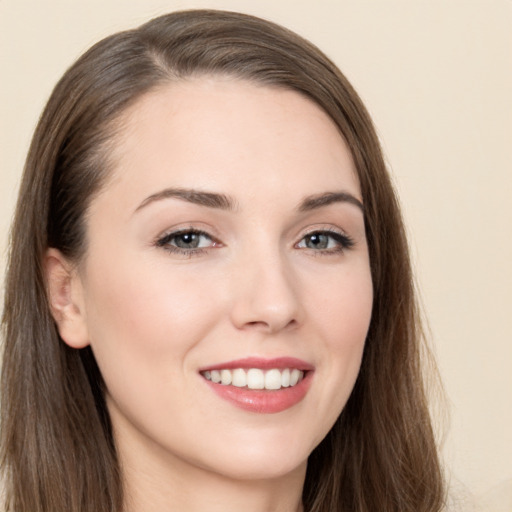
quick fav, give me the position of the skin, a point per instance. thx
(257, 287)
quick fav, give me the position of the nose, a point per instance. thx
(266, 295)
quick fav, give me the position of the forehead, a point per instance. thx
(220, 132)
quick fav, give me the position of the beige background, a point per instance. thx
(437, 78)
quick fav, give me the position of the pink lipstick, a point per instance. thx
(260, 385)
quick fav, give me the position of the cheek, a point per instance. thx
(144, 327)
(342, 318)
(146, 306)
(145, 323)
(343, 309)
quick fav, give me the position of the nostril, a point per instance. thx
(270, 326)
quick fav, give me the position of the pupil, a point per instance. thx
(318, 241)
(187, 240)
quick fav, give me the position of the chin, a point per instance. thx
(262, 469)
(261, 462)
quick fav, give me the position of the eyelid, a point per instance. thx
(180, 231)
(188, 227)
(321, 228)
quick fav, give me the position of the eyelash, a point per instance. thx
(343, 242)
(165, 242)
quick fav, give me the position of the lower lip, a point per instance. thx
(263, 401)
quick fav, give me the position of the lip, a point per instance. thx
(265, 364)
(263, 401)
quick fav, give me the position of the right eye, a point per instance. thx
(188, 242)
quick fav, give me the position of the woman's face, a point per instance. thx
(228, 244)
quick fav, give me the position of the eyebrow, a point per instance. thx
(208, 199)
(224, 202)
(319, 200)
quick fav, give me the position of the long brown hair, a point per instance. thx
(57, 449)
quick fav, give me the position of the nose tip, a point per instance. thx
(270, 321)
(266, 300)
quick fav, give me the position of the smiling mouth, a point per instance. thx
(256, 378)
(260, 385)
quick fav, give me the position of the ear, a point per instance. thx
(65, 295)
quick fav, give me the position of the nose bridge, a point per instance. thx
(266, 295)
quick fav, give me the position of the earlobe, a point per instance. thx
(65, 296)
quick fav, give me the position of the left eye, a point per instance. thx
(186, 240)
(325, 240)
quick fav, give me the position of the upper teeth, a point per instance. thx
(255, 378)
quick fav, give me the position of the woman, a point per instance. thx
(209, 299)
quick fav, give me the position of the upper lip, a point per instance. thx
(263, 363)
